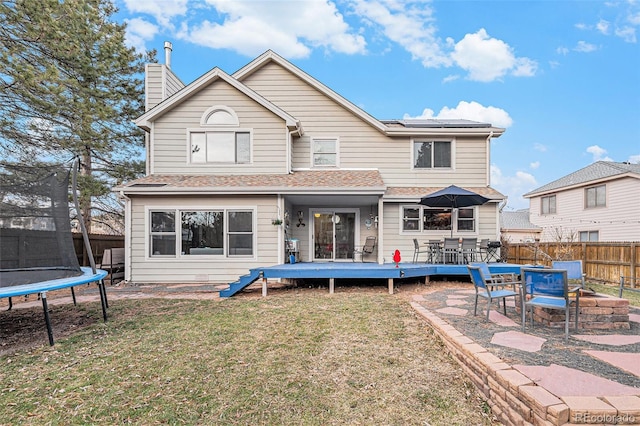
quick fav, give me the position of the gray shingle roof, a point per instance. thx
(518, 219)
(593, 172)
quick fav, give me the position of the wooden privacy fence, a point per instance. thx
(601, 261)
(98, 244)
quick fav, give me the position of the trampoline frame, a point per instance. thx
(42, 287)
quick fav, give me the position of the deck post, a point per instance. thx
(331, 285)
(264, 287)
(390, 285)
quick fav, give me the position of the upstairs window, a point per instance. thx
(548, 205)
(324, 152)
(595, 197)
(219, 138)
(431, 154)
(220, 147)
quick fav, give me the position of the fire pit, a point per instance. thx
(597, 312)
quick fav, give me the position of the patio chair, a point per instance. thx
(492, 279)
(367, 249)
(549, 288)
(417, 250)
(435, 251)
(573, 268)
(487, 292)
(451, 251)
(469, 249)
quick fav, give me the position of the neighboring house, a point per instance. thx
(229, 157)
(600, 202)
(516, 227)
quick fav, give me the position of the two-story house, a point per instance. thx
(240, 164)
(600, 202)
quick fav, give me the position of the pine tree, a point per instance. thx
(70, 87)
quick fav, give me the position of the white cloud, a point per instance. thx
(603, 26)
(634, 159)
(138, 32)
(628, 34)
(513, 186)
(585, 47)
(251, 27)
(471, 111)
(534, 165)
(562, 51)
(162, 11)
(487, 59)
(410, 24)
(598, 153)
(540, 147)
(450, 78)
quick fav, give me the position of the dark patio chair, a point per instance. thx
(490, 292)
(549, 288)
(367, 249)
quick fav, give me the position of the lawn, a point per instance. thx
(292, 358)
(614, 290)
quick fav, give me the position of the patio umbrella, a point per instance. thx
(453, 197)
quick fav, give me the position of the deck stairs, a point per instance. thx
(242, 282)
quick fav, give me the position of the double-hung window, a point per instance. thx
(324, 152)
(216, 232)
(596, 196)
(432, 154)
(548, 205)
(220, 146)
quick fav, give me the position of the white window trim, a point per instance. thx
(312, 151)
(178, 229)
(439, 233)
(433, 169)
(216, 108)
(213, 129)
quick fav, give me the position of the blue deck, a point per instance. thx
(357, 270)
(375, 270)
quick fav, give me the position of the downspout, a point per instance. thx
(488, 177)
(380, 226)
(127, 236)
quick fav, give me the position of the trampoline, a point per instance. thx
(36, 251)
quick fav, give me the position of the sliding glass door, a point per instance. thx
(333, 235)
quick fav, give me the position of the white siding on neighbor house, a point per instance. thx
(361, 145)
(395, 238)
(268, 241)
(169, 146)
(618, 221)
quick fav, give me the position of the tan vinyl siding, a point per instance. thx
(153, 85)
(267, 242)
(361, 145)
(618, 221)
(268, 132)
(172, 83)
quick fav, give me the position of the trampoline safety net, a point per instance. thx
(35, 229)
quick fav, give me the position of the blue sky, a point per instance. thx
(563, 77)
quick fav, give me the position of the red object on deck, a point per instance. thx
(396, 257)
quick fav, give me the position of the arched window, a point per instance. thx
(219, 115)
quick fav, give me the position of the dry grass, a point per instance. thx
(301, 357)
